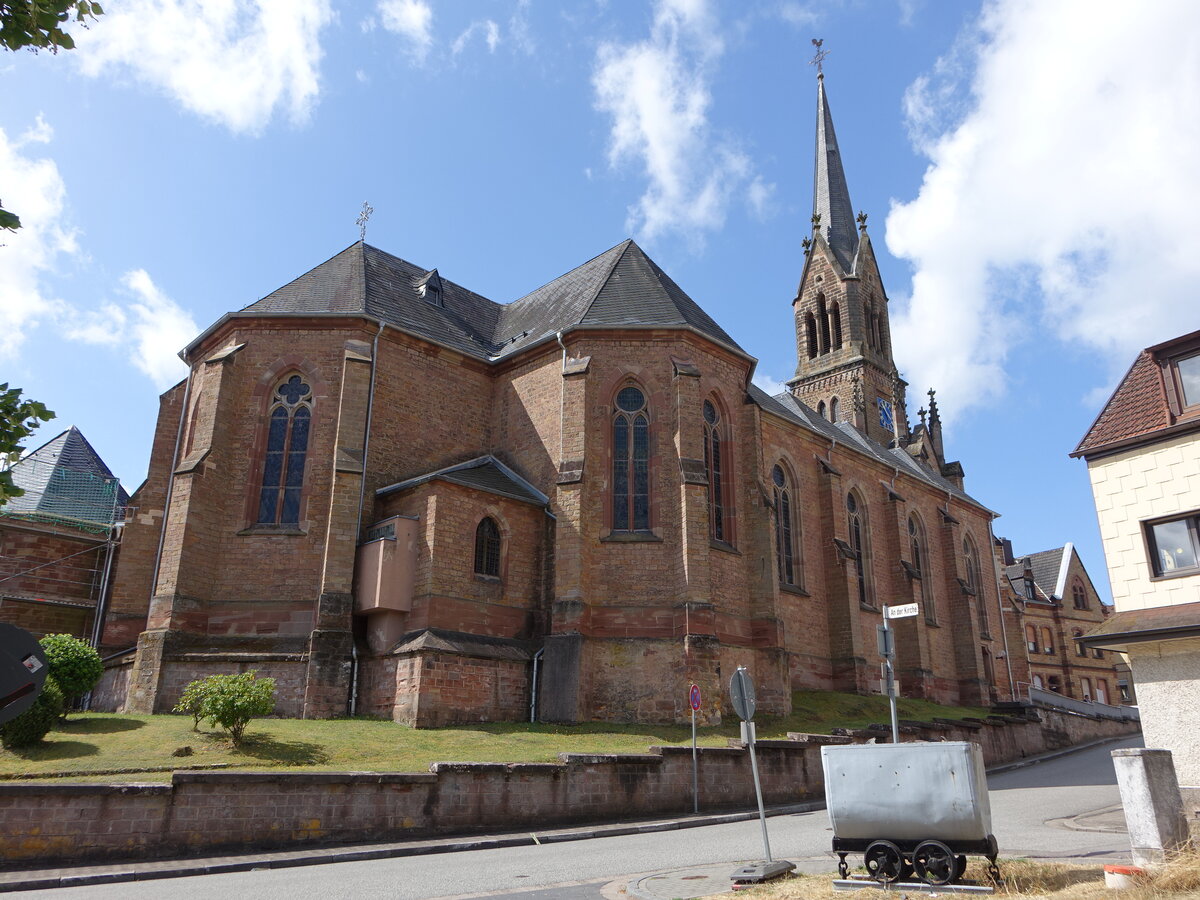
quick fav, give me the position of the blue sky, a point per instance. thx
(1029, 169)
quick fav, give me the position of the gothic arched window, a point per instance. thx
(289, 419)
(833, 410)
(920, 563)
(971, 567)
(810, 333)
(823, 321)
(717, 466)
(821, 409)
(631, 461)
(787, 543)
(856, 515)
(1079, 595)
(487, 548)
(835, 318)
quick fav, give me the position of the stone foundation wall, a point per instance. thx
(204, 812)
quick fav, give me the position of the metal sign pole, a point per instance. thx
(748, 728)
(889, 652)
(695, 769)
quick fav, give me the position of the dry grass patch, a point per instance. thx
(1019, 878)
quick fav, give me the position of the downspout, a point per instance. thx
(537, 658)
(562, 399)
(1012, 686)
(362, 498)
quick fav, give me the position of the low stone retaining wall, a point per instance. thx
(202, 812)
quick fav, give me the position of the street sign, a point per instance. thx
(902, 611)
(694, 696)
(741, 693)
(887, 642)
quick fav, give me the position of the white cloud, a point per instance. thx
(412, 20)
(233, 62)
(33, 190)
(152, 323)
(159, 328)
(801, 15)
(657, 93)
(769, 384)
(1059, 199)
(490, 31)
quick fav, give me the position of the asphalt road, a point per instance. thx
(1029, 809)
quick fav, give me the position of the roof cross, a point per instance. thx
(363, 217)
(820, 55)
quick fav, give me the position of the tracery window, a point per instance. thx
(487, 548)
(716, 464)
(631, 461)
(289, 422)
(1079, 595)
(971, 565)
(920, 564)
(860, 544)
(791, 569)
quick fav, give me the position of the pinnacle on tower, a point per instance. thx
(831, 195)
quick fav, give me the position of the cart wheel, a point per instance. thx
(884, 862)
(935, 863)
(960, 866)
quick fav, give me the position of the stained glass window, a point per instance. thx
(631, 461)
(288, 427)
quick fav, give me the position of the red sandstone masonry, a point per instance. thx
(48, 823)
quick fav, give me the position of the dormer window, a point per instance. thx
(1187, 370)
(429, 286)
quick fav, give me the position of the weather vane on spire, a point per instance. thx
(364, 216)
(820, 56)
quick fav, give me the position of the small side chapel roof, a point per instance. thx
(786, 406)
(621, 287)
(484, 473)
(65, 479)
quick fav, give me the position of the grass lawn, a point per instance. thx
(96, 742)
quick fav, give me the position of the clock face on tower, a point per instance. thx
(885, 414)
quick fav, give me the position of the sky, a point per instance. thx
(1029, 169)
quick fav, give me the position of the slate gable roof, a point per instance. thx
(786, 406)
(621, 287)
(65, 479)
(484, 473)
(1046, 565)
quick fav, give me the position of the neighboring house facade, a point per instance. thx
(1058, 605)
(1143, 459)
(401, 498)
(59, 540)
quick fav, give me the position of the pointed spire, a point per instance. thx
(831, 196)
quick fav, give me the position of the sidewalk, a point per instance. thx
(654, 886)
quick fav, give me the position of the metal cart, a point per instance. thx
(914, 807)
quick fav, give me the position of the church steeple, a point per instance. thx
(843, 341)
(831, 195)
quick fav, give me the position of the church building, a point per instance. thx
(400, 498)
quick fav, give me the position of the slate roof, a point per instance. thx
(786, 406)
(1016, 581)
(65, 479)
(1138, 407)
(484, 473)
(1046, 565)
(831, 194)
(621, 287)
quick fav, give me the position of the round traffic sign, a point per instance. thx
(22, 670)
(741, 693)
(694, 696)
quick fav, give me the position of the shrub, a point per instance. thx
(191, 702)
(230, 701)
(73, 664)
(32, 725)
